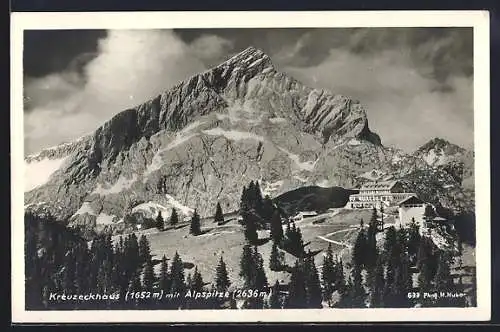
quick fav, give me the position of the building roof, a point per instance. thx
(413, 199)
(379, 185)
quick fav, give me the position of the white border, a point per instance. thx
(479, 20)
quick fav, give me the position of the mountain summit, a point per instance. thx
(201, 141)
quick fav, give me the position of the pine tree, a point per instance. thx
(359, 250)
(219, 215)
(144, 250)
(425, 265)
(174, 217)
(275, 298)
(276, 227)
(443, 278)
(275, 262)
(371, 240)
(148, 278)
(135, 286)
(247, 266)
(313, 285)
(177, 274)
(222, 282)
(267, 209)
(159, 222)
(197, 281)
(195, 227)
(376, 283)
(244, 204)
(250, 228)
(260, 276)
(164, 279)
(297, 297)
(328, 274)
(358, 295)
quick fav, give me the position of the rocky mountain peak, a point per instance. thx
(248, 58)
(440, 144)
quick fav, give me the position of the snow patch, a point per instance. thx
(277, 120)
(303, 165)
(151, 210)
(121, 184)
(191, 126)
(186, 210)
(37, 173)
(85, 208)
(105, 219)
(234, 135)
(354, 141)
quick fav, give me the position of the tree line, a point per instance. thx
(378, 274)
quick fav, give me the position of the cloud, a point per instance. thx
(131, 67)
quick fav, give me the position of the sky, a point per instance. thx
(415, 83)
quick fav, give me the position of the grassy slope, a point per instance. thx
(227, 240)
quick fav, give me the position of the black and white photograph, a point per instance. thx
(252, 169)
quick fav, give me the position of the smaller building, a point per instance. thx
(304, 214)
(411, 207)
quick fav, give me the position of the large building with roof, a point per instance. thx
(378, 194)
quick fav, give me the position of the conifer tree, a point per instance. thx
(260, 276)
(443, 278)
(357, 291)
(219, 215)
(134, 286)
(221, 277)
(371, 241)
(247, 266)
(297, 297)
(197, 281)
(250, 227)
(195, 227)
(376, 283)
(328, 274)
(244, 206)
(148, 278)
(164, 279)
(177, 274)
(313, 285)
(359, 250)
(174, 217)
(275, 262)
(159, 222)
(276, 227)
(267, 209)
(275, 298)
(144, 250)
(339, 276)
(424, 264)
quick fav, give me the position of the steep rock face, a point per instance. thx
(200, 142)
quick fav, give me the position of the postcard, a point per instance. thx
(250, 167)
